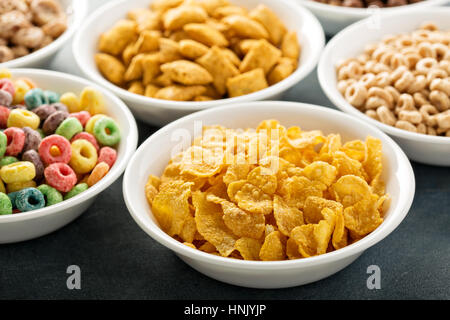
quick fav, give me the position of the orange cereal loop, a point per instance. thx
(99, 171)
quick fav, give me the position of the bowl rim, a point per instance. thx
(300, 73)
(80, 8)
(371, 239)
(338, 100)
(113, 174)
(364, 12)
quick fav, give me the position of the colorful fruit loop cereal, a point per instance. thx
(273, 193)
(402, 81)
(196, 50)
(51, 151)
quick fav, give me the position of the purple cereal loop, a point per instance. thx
(60, 106)
(5, 98)
(44, 111)
(32, 139)
(33, 157)
(53, 121)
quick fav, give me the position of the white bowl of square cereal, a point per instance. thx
(166, 59)
(397, 77)
(283, 203)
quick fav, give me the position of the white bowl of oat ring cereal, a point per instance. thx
(334, 15)
(31, 32)
(397, 77)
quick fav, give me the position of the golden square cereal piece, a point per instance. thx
(192, 49)
(178, 35)
(248, 248)
(205, 34)
(169, 50)
(261, 55)
(177, 17)
(145, 19)
(216, 24)
(270, 21)
(135, 69)
(231, 56)
(286, 217)
(187, 72)
(273, 248)
(179, 92)
(164, 5)
(128, 53)
(110, 67)
(283, 69)
(224, 11)
(290, 46)
(245, 27)
(211, 5)
(136, 87)
(244, 46)
(219, 66)
(210, 224)
(115, 40)
(148, 41)
(151, 90)
(246, 83)
(150, 67)
(240, 222)
(171, 207)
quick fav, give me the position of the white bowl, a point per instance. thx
(335, 18)
(350, 42)
(160, 112)
(153, 155)
(32, 224)
(76, 11)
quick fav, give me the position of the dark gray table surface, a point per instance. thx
(119, 261)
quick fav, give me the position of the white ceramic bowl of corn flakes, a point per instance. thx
(159, 112)
(335, 18)
(429, 149)
(75, 11)
(32, 224)
(153, 156)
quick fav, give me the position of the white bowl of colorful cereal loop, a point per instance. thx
(230, 68)
(335, 15)
(51, 171)
(218, 245)
(415, 75)
(33, 31)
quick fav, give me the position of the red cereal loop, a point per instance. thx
(54, 140)
(4, 114)
(108, 155)
(7, 85)
(86, 136)
(16, 141)
(60, 176)
(82, 116)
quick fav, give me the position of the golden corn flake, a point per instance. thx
(270, 193)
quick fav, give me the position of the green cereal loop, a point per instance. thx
(3, 143)
(107, 138)
(41, 132)
(52, 196)
(69, 127)
(51, 96)
(7, 160)
(76, 190)
(5, 204)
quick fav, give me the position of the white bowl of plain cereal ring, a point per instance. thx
(63, 141)
(397, 78)
(268, 194)
(335, 15)
(32, 31)
(166, 59)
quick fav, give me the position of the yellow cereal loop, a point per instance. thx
(2, 187)
(21, 171)
(84, 156)
(91, 122)
(5, 73)
(21, 88)
(70, 99)
(92, 100)
(17, 186)
(21, 118)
